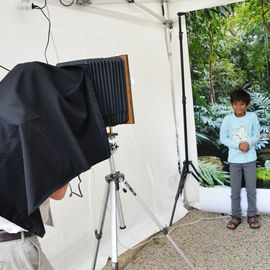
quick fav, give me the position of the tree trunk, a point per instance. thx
(211, 81)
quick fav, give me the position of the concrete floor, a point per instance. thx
(209, 245)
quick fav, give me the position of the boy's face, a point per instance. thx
(239, 108)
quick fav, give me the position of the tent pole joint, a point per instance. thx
(168, 24)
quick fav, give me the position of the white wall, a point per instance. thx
(147, 153)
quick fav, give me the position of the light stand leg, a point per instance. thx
(161, 228)
(179, 189)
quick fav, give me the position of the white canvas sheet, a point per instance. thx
(218, 200)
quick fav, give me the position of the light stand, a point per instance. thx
(186, 163)
(113, 180)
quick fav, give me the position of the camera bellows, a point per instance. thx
(111, 81)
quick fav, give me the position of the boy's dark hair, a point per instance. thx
(240, 95)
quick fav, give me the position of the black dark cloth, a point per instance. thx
(51, 130)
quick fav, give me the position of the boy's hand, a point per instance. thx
(244, 146)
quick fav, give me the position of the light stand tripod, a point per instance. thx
(113, 180)
(187, 163)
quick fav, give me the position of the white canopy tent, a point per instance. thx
(148, 150)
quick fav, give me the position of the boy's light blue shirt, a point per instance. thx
(239, 129)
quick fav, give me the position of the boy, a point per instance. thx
(240, 131)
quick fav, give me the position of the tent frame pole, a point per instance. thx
(146, 9)
(168, 30)
(186, 163)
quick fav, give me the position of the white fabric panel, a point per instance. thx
(218, 200)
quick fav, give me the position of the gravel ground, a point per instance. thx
(208, 244)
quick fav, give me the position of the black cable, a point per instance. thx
(48, 37)
(79, 188)
(66, 5)
(49, 29)
(4, 68)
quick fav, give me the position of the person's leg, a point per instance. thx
(43, 262)
(236, 180)
(250, 179)
(23, 254)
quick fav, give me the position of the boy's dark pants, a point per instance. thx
(249, 170)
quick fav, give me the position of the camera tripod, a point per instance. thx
(112, 190)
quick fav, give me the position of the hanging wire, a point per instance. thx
(48, 36)
(66, 5)
(4, 68)
(79, 188)
(49, 28)
(51, 36)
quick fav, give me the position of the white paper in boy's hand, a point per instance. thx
(267, 165)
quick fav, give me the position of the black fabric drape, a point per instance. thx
(51, 130)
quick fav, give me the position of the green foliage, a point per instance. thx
(229, 49)
(212, 174)
(263, 174)
(208, 121)
(260, 103)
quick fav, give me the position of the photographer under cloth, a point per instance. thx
(51, 130)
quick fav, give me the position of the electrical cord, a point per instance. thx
(51, 36)
(49, 28)
(4, 68)
(262, 216)
(79, 188)
(182, 225)
(66, 5)
(48, 36)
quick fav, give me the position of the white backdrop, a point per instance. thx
(147, 153)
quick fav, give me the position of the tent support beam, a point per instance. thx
(148, 10)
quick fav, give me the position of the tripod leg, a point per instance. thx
(161, 228)
(179, 189)
(114, 239)
(98, 233)
(122, 225)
